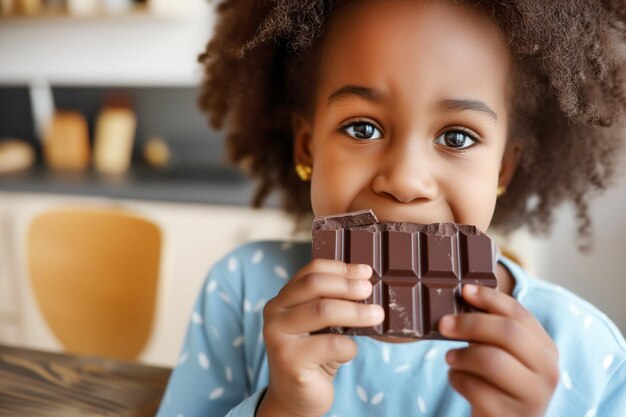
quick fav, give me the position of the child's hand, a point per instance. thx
(511, 365)
(302, 366)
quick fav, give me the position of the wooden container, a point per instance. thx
(66, 142)
(114, 138)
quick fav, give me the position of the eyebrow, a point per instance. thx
(367, 93)
(471, 105)
(376, 96)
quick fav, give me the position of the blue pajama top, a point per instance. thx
(222, 369)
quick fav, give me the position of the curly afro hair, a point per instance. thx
(568, 113)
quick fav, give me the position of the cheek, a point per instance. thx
(336, 182)
(331, 190)
(472, 198)
(478, 208)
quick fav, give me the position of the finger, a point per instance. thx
(325, 312)
(486, 399)
(333, 267)
(317, 285)
(495, 366)
(496, 302)
(333, 349)
(499, 331)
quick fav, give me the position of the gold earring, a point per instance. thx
(304, 172)
(501, 191)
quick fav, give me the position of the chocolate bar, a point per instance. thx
(418, 269)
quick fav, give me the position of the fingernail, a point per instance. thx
(362, 286)
(451, 356)
(446, 323)
(471, 289)
(364, 269)
(377, 311)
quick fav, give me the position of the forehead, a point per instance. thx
(415, 47)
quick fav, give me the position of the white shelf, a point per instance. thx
(60, 15)
(136, 49)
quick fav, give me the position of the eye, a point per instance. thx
(362, 131)
(456, 139)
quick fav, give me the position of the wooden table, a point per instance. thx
(34, 383)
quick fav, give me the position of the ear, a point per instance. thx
(302, 132)
(509, 163)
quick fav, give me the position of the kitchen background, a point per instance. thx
(98, 109)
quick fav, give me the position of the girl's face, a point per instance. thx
(410, 114)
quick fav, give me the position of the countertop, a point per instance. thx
(209, 185)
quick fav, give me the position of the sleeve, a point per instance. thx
(210, 379)
(613, 401)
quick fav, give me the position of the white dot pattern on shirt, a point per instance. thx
(257, 257)
(574, 310)
(591, 413)
(196, 318)
(402, 368)
(431, 354)
(183, 358)
(225, 297)
(216, 393)
(211, 286)
(421, 405)
(377, 399)
(232, 264)
(360, 391)
(215, 332)
(238, 341)
(386, 354)
(281, 272)
(567, 381)
(203, 360)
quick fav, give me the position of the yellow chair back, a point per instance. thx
(94, 273)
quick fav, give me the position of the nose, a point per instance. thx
(406, 175)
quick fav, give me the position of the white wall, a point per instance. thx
(598, 276)
(135, 49)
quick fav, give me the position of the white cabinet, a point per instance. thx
(194, 236)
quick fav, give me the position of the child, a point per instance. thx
(482, 113)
